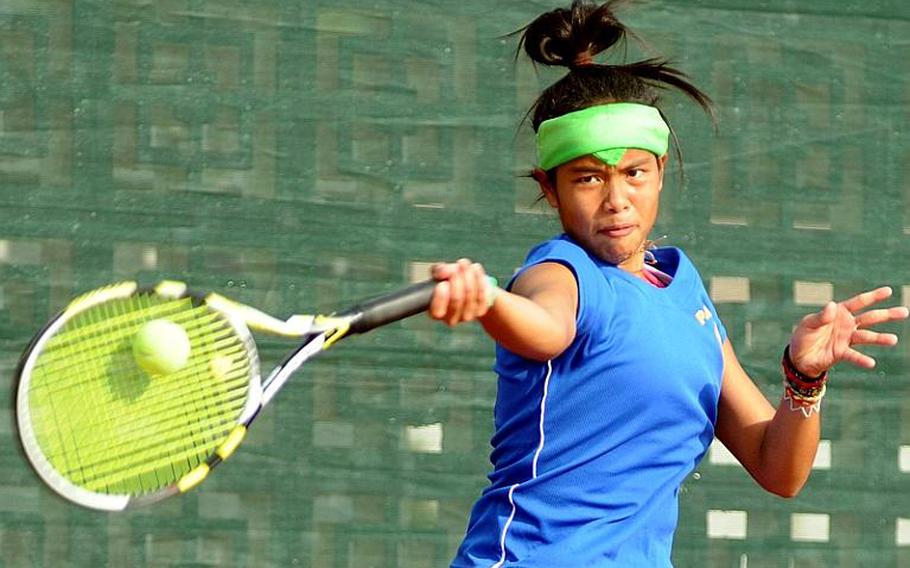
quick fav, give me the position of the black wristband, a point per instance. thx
(791, 370)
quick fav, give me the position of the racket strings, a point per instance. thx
(93, 340)
(224, 346)
(132, 447)
(106, 425)
(164, 416)
(171, 449)
(81, 359)
(75, 409)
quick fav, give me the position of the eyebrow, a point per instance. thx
(587, 169)
(591, 169)
(634, 164)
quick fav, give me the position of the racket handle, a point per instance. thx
(398, 305)
(391, 307)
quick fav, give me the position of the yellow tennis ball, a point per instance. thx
(161, 347)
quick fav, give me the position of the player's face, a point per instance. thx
(609, 210)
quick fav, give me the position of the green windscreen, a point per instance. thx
(301, 155)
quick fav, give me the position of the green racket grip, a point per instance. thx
(398, 305)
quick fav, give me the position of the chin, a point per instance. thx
(615, 252)
(614, 257)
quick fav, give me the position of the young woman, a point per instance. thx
(615, 373)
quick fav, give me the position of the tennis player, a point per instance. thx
(615, 372)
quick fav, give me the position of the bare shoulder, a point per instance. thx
(546, 277)
(552, 286)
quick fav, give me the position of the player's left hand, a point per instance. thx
(828, 337)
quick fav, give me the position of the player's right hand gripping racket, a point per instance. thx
(106, 435)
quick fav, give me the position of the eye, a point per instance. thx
(635, 173)
(590, 179)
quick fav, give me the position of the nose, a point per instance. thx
(616, 196)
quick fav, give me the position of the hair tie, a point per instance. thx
(583, 59)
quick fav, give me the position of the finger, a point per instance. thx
(440, 301)
(875, 317)
(442, 271)
(481, 285)
(471, 287)
(822, 318)
(456, 300)
(859, 359)
(866, 299)
(866, 337)
(466, 269)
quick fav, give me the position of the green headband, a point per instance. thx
(604, 131)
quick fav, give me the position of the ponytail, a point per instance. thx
(572, 37)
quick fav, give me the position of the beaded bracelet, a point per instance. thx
(803, 404)
(804, 393)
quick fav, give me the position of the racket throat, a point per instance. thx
(335, 328)
(280, 375)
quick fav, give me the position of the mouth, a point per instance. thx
(617, 231)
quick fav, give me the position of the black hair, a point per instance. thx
(572, 37)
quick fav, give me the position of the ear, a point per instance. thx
(546, 187)
(662, 167)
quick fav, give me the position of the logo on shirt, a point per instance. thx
(703, 315)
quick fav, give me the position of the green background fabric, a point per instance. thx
(298, 155)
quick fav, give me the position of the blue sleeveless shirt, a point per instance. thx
(590, 448)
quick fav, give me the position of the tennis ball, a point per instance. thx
(161, 347)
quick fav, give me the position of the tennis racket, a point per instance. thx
(104, 434)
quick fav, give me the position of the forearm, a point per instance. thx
(535, 319)
(776, 446)
(788, 450)
(526, 328)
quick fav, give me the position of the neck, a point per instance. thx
(635, 264)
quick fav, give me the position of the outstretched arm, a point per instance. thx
(535, 320)
(777, 447)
